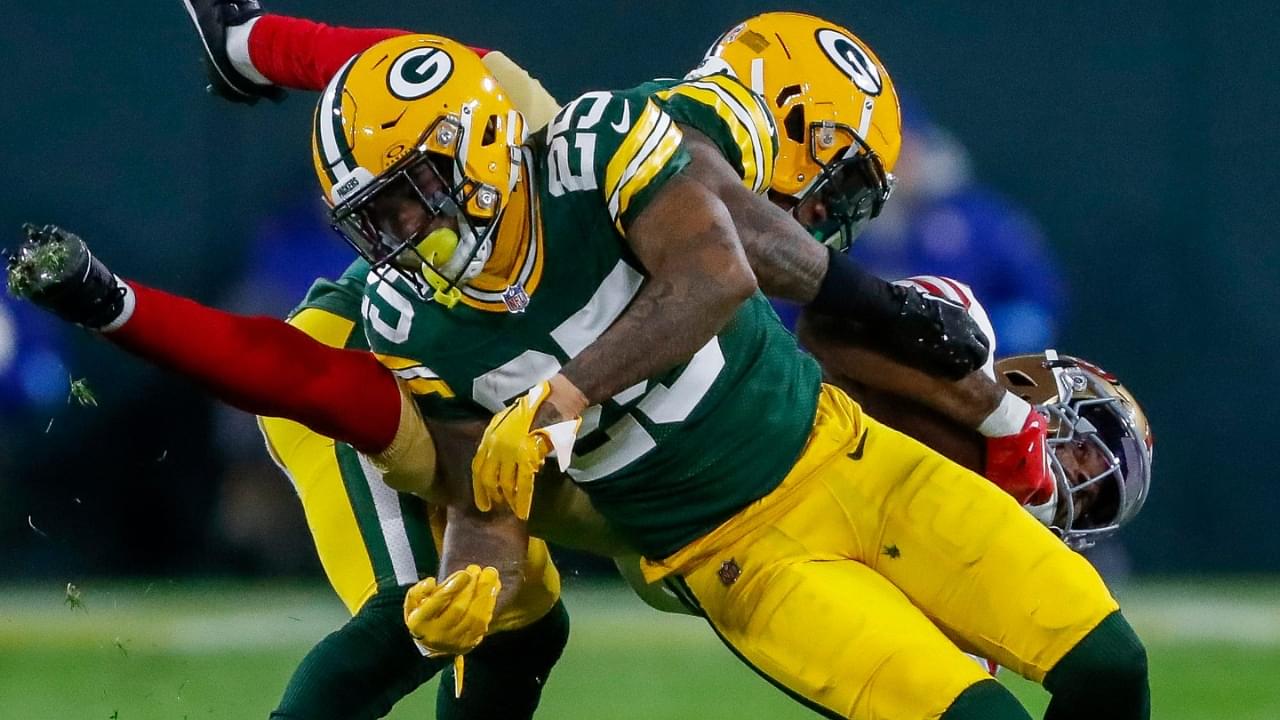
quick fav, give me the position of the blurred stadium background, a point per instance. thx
(1108, 169)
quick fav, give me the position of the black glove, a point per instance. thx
(934, 335)
(54, 269)
(212, 18)
(927, 333)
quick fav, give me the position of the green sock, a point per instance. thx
(504, 675)
(986, 700)
(360, 670)
(1104, 677)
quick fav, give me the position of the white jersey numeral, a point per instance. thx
(513, 378)
(628, 439)
(560, 176)
(399, 332)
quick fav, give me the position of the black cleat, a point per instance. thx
(212, 18)
(55, 270)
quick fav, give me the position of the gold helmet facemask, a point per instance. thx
(852, 188)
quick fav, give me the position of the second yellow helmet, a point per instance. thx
(839, 124)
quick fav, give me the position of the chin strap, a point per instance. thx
(1047, 511)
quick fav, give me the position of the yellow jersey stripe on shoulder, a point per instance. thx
(747, 121)
(324, 326)
(644, 152)
(742, 132)
(763, 128)
(639, 177)
(644, 124)
(420, 379)
(424, 386)
(394, 362)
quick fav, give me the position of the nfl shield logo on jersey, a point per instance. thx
(515, 298)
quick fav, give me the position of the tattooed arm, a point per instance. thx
(787, 261)
(697, 277)
(938, 338)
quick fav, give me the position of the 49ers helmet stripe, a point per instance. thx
(945, 288)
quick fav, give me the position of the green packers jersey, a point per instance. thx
(669, 459)
(369, 538)
(342, 297)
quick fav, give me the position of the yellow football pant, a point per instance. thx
(368, 536)
(856, 583)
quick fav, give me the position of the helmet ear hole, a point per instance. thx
(786, 94)
(1019, 378)
(793, 124)
(490, 132)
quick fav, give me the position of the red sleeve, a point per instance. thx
(266, 367)
(305, 55)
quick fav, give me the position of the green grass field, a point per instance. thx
(176, 650)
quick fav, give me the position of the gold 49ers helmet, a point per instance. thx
(839, 126)
(1099, 442)
(417, 148)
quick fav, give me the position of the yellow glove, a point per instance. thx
(452, 617)
(511, 453)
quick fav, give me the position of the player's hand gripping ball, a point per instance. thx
(512, 452)
(452, 617)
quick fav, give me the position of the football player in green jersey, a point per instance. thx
(585, 264)
(839, 136)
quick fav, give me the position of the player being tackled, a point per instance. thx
(643, 324)
(1063, 678)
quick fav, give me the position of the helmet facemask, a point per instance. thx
(852, 186)
(394, 221)
(1097, 423)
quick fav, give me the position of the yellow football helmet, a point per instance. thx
(412, 137)
(839, 127)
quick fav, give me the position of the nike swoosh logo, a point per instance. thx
(862, 443)
(625, 123)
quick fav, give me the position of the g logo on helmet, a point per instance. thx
(419, 72)
(851, 59)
